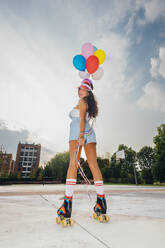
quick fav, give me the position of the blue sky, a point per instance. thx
(38, 81)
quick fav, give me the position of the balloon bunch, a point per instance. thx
(89, 61)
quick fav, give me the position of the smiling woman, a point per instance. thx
(85, 110)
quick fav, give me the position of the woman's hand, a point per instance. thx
(81, 140)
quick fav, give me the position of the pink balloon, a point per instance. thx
(87, 50)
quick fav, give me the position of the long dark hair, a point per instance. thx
(92, 104)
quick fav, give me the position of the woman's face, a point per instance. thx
(82, 92)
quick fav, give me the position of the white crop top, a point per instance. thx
(75, 113)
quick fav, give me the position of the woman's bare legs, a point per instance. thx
(70, 180)
(90, 151)
(72, 170)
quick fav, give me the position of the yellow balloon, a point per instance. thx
(100, 54)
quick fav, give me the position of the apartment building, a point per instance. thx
(27, 158)
(6, 163)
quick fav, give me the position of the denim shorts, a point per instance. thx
(75, 131)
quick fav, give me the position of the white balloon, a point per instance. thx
(84, 74)
(98, 74)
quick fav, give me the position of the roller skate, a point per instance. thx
(100, 209)
(64, 213)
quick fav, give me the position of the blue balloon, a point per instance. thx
(79, 62)
(95, 48)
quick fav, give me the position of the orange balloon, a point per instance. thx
(92, 64)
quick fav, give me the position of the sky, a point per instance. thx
(38, 40)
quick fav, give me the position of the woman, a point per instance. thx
(80, 115)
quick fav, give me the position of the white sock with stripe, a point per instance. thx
(99, 188)
(69, 187)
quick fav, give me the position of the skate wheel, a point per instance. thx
(71, 222)
(57, 220)
(64, 223)
(100, 218)
(94, 216)
(106, 218)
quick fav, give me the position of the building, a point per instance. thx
(6, 163)
(27, 158)
(12, 167)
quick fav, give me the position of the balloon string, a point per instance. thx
(87, 181)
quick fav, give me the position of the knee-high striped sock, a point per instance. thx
(99, 188)
(69, 188)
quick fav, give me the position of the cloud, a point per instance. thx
(158, 64)
(35, 72)
(37, 76)
(153, 9)
(10, 136)
(154, 67)
(153, 97)
(162, 61)
(41, 83)
(116, 47)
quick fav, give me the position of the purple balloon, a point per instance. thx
(87, 50)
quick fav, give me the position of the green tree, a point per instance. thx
(159, 164)
(145, 157)
(39, 174)
(57, 166)
(19, 175)
(146, 161)
(86, 169)
(123, 170)
(47, 173)
(32, 173)
(13, 176)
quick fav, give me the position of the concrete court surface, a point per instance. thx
(28, 214)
